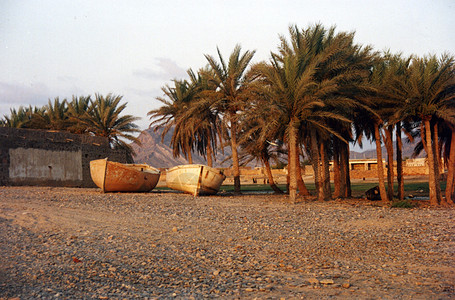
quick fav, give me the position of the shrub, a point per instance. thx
(403, 204)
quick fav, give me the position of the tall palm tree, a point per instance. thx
(431, 93)
(290, 92)
(341, 75)
(308, 81)
(229, 98)
(374, 116)
(176, 102)
(77, 111)
(203, 119)
(256, 139)
(397, 67)
(104, 118)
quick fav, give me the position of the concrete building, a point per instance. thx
(51, 158)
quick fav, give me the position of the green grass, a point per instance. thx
(403, 204)
(252, 188)
(357, 187)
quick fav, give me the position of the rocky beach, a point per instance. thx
(70, 243)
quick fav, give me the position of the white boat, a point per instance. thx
(117, 177)
(195, 179)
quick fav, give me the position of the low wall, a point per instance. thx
(51, 158)
(259, 175)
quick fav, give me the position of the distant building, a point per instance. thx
(361, 164)
(416, 162)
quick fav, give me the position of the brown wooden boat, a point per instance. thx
(117, 177)
(195, 179)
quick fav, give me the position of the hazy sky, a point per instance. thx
(133, 48)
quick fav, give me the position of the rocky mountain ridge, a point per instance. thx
(155, 152)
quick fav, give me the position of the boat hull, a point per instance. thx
(195, 179)
(116, 177)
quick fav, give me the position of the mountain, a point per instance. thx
(408, 150)
(159, 155)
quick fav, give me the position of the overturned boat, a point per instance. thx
(117, 177)
(195, 179)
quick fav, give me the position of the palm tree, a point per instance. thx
(308, 81)
(229, 99)
(256, 137)
(53, 116)
(375, 116)
(77, 111)
(203, 119)
(176, 102)
(104, 118)
(21, 117)
(397, 70)
(431, 91)
(341, 75)
(290, 93)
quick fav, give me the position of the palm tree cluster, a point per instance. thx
(318, 92)
(101, 116)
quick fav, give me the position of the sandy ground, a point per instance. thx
(66, 243)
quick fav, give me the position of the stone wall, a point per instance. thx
(51, 158)
(258, 174)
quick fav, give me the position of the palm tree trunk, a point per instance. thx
(450, 189)
(315, 160)
(437, 150)
(348, 174)
(432, 178)
(209, 153)
(190, 157)
(268, 171)
(389, 147)
(437, 160)
(288, 180)
(422, 136)
(303, 191)
(377, 137)
(292, 162)
(235, 155)
(344, 172)
(399, 146)
(321, 195)
(325, 173)
(336, 169)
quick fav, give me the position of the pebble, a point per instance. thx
(226, 246)
(326, 281)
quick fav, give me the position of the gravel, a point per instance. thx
(67, 243)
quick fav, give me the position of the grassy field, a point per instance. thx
(358, 187)
(416, 188)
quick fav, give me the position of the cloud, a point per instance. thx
(168, 70)
(15, 95)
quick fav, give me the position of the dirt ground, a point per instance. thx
(69, 243)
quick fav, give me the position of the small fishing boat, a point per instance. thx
(117, 177)
(195, 179)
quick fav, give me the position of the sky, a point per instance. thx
(132, 48)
